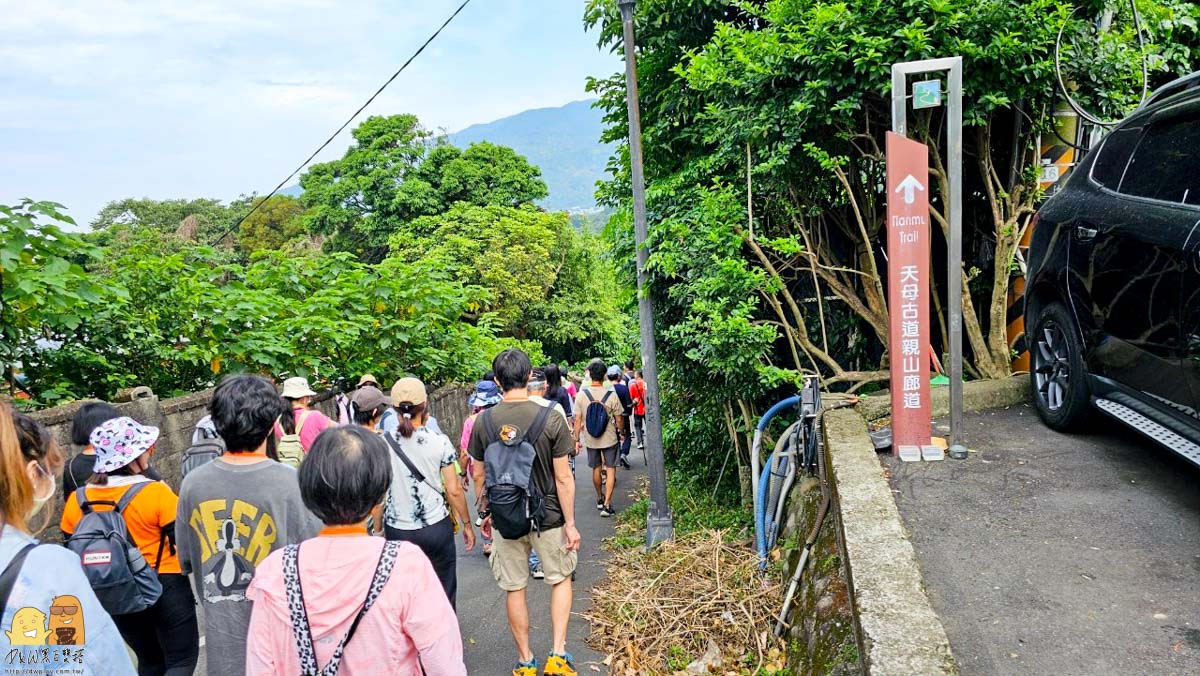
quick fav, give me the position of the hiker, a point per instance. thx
(368, 405)
(629, 375)
(499, 442)
(391, 421)
(344, 598)
(537, 388)
(486, 395)
(425, 487)
(597, 415)
(637, 391)
(34, 575)
(555, 391)
(87, 418)
(237, 509)
(298, 416)
(164, 635)
(615, 379)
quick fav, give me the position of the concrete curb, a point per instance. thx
(901, 633)
(977, 395)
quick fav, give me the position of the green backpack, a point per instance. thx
(288, 449)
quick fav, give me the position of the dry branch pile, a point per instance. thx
(656, 612)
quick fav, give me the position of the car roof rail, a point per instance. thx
(1185, 83)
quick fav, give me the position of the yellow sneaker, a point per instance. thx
(526, 668)
(559, 664)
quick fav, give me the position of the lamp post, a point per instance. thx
(660, 524)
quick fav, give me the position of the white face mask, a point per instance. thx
(40, 501)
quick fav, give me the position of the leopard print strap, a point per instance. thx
(299, 616)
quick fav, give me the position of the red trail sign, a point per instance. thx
(908, 289)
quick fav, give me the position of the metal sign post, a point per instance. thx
(900, 73)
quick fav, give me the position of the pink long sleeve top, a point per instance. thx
(411, 618)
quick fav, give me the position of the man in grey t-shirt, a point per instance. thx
(237, 509)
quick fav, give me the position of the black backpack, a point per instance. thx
(516, 503)
(122, 579)
(596, 415)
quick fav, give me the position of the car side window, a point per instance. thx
(1114, 156)
(1166, 164)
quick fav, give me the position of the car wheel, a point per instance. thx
(1059, 378)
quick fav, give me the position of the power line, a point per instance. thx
(345, 124)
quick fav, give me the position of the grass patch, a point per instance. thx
(694, 508)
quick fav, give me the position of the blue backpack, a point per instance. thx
(122, 579)
(596, 415)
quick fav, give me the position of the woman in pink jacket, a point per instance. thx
(346, 602)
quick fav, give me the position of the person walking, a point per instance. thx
(164, 636)
(617, 383)
(557, 539)
(236, 510)
(425, 487)
(555, 391)
(486, 395)
(33, 575)
(368, 406)
(298, 416)
(637, 390)
(346, 601)
(597, 419)
(87, 418)
(537, 388)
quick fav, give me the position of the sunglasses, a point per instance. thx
(64, 610)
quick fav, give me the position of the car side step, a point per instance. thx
(1171, 440)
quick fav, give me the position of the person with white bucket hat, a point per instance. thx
(299, 417)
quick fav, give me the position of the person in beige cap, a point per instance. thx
(298, 417)
(425, 487)
(368, 380)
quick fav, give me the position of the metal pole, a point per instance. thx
(660, 524)
(900, 73)
(958, 449)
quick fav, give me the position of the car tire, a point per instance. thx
(1058, 380)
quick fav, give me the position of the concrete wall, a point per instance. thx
(176, 419)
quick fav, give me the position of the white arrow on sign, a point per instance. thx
(909, 186)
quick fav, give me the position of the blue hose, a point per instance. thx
(764, 480)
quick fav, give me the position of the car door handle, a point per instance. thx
(1085, 234)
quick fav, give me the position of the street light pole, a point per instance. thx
(660, 524)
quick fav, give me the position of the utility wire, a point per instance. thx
(345, 124)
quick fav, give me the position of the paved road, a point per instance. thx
(487, 643)
(1053, 554)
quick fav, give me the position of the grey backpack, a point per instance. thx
(516, 503)
(122, 579)
(206, 446)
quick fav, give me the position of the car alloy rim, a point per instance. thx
(1052, 366)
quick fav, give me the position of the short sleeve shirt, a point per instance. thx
(147, 517)
(615, 408)
(413, 504)
(554, 442)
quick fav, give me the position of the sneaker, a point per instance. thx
(538, 573)
(478, 521)
(607, 512)
(560, 664)
(529, 668)
(625, 464)
(599, 504)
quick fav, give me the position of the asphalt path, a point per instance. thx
(1047, 553)
(488, 646)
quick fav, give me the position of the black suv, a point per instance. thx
(1112, 307)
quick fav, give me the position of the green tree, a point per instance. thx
(764, 125)
(394, 173)
(44, 291)
(272, 225)
(209, 218)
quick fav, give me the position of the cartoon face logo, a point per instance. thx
(66, 621)
(28, 627)
(509, 434)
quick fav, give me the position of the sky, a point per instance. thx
(107, 99)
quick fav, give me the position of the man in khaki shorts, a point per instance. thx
(557, 543)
